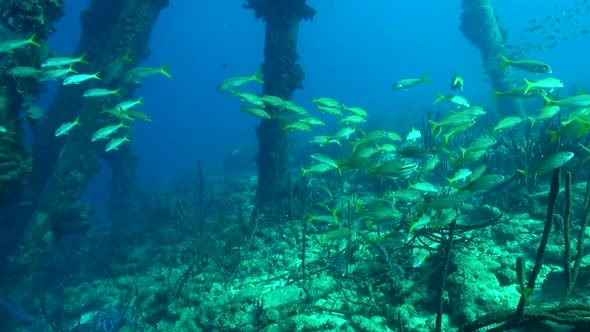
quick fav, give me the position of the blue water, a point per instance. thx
(352, 52)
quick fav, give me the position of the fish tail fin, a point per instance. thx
(447, 136)
(434, 125)
(31, 40)
(82, 58)
(354, 145)
(437, 132)
(335, 215)
(378, 148)
(333, 140)
(505, 62)
(445, 150)
(127, 56)
(257, 76)
(123, 125)
(582, 131)
(304, 171)
(425, 79)
(567, 122)
(95, 75)
(77, 121)
(529, 86)
(587, 149)
(463, 151)
(164, 70)
(71, 69)
(310, 217)
(117, 92)
(524, 172)
(548, 101)
(532, 120)
(412, 227)
(439, 97)
(140, 100)
(554, 134)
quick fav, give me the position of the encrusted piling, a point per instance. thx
(282, 75)
(480, 25)
(63, 166)
(122, 207)
(19, 20)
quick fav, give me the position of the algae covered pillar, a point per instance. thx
(282, 75)
(18, 90)
(65, 165)
(122, 205)
(18, 87)
(479, 24)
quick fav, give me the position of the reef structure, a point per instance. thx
(19, 19)
(480, 25)
(282, 76)
(110, 28)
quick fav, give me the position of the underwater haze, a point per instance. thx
(348, 50)
(294, 165)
